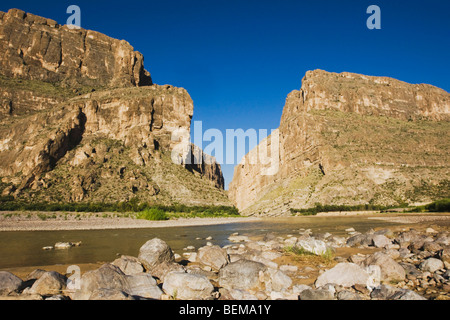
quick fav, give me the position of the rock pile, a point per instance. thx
(407, 265)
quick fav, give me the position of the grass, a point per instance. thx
(303, 255)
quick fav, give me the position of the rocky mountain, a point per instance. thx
(349, 139)
(82, 121)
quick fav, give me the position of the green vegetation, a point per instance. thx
(327, 257)
(437, 206)
(142, 210)
(339, 208)
(153, 214)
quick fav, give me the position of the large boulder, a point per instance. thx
(107, 277)
(110, 295)
(344, 274)
(213, 256)
(312, 245)
(154, 253)
(280, 281)
(431, 265)
(129, 265)
(186, 286)
(9, 283)
(380, 241)
(144, 286)
(242, 274)
(390, 269)
(50, 283)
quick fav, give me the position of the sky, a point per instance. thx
(239, 59)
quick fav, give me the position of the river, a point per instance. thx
(24, 249)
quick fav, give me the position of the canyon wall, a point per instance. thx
(350, 139)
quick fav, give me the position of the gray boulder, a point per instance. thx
(242, 274)
(310, 294)
(186, 286)
(344, 274)
(154, 253)
(312, 245)
(280, 281)
(107, 277)
(380, 241)
(143, 286)
(431, 265)
(110, 295)
(9, 283)
(129, 265)
(348, 295)
(213, 256)
(50, 283)
(390, 269)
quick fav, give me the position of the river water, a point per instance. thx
(24, 249)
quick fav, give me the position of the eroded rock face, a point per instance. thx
(78, 107)
(350, 139)
(37, 48)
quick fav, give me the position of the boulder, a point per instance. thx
(9, 283)
(405, 294)
(383, 292)
(242, 274)
(109, 295)
(431, 265)
(50, 283)
(310, 294)
(280, 281)
(129, 265)
(63, 245)
(380, 241)
(445, 255)
(348, 295)
(106, 277)
(390, 270)
(213, 256)
(143, 285)
(360, 240)
(344, 274)
(186, 286)
(154, 253)
(312, 245)
(161, 270)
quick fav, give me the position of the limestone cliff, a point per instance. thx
(350, 139)
(81, 120)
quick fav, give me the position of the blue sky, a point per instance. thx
(239, 59)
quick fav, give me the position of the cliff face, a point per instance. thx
(37, 48)
(352, 139)
(87, 124)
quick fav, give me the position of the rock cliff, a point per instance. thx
(81, 120)
(349, 139)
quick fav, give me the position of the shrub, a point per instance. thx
(152, 214)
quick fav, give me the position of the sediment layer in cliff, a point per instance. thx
(350, 139)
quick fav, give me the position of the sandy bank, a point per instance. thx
(23, 222)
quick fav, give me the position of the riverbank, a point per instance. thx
(396, 263)
(59, 221)
(52, 221)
